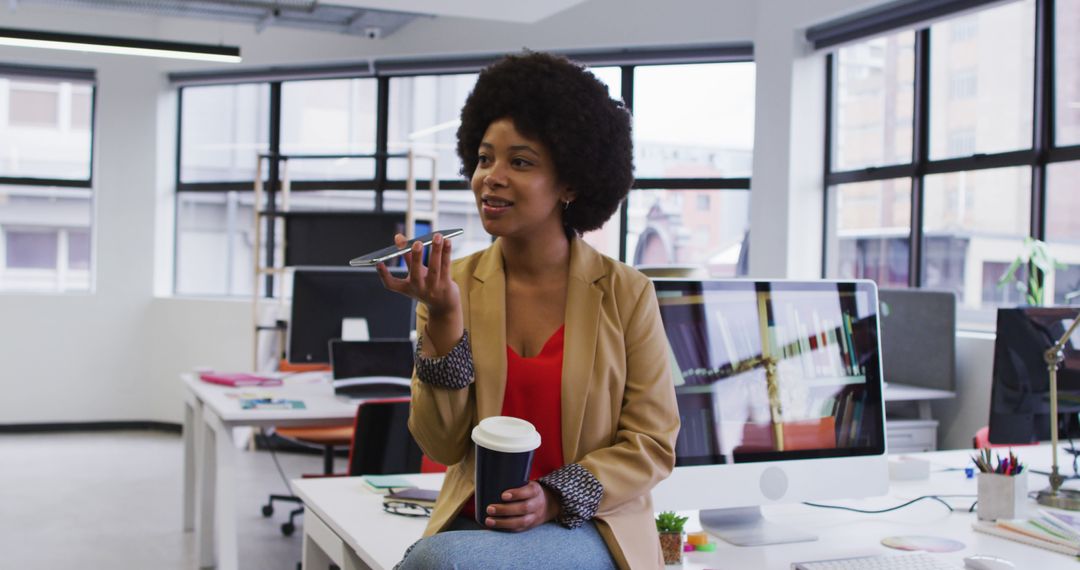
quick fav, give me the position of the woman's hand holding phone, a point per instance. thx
(432, 286)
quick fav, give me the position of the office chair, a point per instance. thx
(330, 438)
(381, 445)
(981, 440)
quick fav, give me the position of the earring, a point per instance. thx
(566, 205)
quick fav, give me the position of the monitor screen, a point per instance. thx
(333, 238)
(324, 298)
(918, 337)
(357, 359)
(778, 385)
(1020, 392)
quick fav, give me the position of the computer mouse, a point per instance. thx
(984, 562)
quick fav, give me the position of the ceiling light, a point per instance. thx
(115, 45)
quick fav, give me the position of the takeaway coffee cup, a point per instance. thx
(504, 452)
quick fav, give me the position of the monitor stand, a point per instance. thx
(747, 527)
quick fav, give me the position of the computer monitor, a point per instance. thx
(778, 385)
(324, 298)
(1020, 392)
(333, 238)
(371, 368)
(918, 337)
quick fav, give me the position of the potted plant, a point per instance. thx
(670, 527)
(1035, 257)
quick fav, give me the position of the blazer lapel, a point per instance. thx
(582, 319)
(487, 328)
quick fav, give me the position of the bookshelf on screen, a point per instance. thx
(779, 391)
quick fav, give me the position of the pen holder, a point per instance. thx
(1001, 496)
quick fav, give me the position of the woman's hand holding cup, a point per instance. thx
(522, 508)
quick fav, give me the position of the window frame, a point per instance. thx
(383, 70)
(45, 186)
(1042, 152)
(32, 73)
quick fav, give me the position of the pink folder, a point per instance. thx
(238, 379)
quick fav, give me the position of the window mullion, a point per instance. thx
(919, 155)
(1043, 112)
(272, 182)
(624, 208)
(382, 135)
(830, 60)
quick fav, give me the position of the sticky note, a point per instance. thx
(707, 547)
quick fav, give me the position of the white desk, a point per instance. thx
(349, 527)
(351, 530)
(210, 413)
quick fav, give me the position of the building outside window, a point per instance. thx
(45, 180)
(975, 183)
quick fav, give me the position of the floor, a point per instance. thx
(111, 500)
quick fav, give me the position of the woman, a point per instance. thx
(541, 326)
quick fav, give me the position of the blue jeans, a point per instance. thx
(467, 545)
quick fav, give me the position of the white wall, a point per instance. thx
(115, 354)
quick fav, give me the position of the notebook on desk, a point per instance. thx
(372, 368)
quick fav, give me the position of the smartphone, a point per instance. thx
(387, 253)
(415, 495)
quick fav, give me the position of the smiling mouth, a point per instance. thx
(493, 202)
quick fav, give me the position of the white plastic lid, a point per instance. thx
(506, 434)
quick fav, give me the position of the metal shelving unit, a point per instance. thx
(278, 271)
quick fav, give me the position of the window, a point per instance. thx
(45, 180)
(873, 221)
(1063, 229)
(984, 85)
(973, 189)
(45, 128)
(34, 105)
(31, 249)
(222, 129)
(692, 184)
(335, 116)
(666, 227)
(425, 113)
(1067, 64)
(677, 113)
(971, 218)
(874, 103)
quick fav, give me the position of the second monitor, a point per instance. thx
(324, 300)
(778, 385)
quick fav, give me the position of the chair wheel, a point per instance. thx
(288, 529)
(268, 510)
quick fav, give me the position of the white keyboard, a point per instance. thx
(919, 561)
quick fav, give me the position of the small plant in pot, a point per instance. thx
(670, 527)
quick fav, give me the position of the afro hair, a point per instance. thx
(565, 107)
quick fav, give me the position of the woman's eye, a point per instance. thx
(482, 159)
(520, 162)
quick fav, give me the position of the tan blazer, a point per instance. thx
(619, 417)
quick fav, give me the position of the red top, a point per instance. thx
(534, 393)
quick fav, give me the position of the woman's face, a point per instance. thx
(515, 185)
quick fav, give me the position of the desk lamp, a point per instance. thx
(1055, 496)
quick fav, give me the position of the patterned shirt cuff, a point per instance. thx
(453, 370)
(579, 494)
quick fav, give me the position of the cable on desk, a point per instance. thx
(269, 446)
(938, 498)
